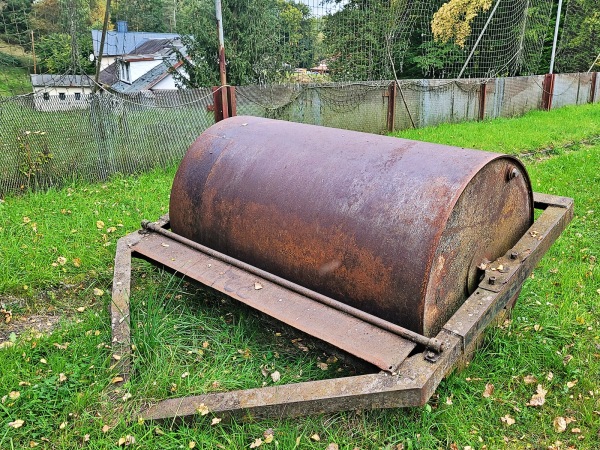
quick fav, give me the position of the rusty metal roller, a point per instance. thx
(397, 228)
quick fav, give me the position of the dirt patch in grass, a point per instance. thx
(34, 324)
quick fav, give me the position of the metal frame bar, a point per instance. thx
(416, 378)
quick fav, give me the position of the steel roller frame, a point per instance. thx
(410, 381)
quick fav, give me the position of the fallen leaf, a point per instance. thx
(26, 219)
(539, 398)
(105, 428)
(185, 374)
(164, 245)
(507, 420)
(576, 430)
(16, 424)
(98, 292)
(448, 400)
(560, 424)
(62, 377)
(488, 391)
(192, 444)
(529, 379)
(43, 361)
(61, 260)
(257, 443)
(275, 376)
(570, 384)
(215, 421)
(13, 395)
(99, 224)
(126, 441)
(202, 409)
(33, 444)
(76, 262)
(268, 435)
(111, 229)
(205, 344)
(158, 431)
(322, 366)
(116, 357)
(332, 446)
(63, 425)
(550, 376)
(127, 396)
(257, 286)
(24, 383)
(61, 346)
(315, 437)
(116, 380)
(566, 359)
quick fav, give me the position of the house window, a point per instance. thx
(125, 72)
(77, 95)
(62, 96)
(46, 96)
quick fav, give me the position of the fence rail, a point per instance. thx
(45, 144)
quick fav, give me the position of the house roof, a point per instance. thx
(61, 80)
(109, 75)
(117, 43)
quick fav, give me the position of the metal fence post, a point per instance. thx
(547, 91)
(482, 94)
(391, 110)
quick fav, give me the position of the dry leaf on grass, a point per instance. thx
(116, 380)
(529, 379)
(215, 421)
(257, 443)
(507, 420)
(62, 378)
(332, 446)
(192, 444)
(99, 224)
(98, 292)
(488, 391)
(539, 398)
(105, 428)
(268, 435)
(125, 441)
(16, 424)
(322, 366)
(570, 384)
(315, 437)
(13, 395)
(275, 376)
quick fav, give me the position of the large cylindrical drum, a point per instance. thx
(394, 227)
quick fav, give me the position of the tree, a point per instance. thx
(264, 39)
(141, 15)
(55, 54)
(13, 21)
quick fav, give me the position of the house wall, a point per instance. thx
(107, 61)
(55, 103)
(140, 68)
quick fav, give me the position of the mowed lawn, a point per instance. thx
(56, 392)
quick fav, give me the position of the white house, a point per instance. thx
(122, 42)
(61, 92)
(148, 67)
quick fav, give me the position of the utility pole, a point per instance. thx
(101, 49)
(554, 42)
(33, 53)
(222, 69)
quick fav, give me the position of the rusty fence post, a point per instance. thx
(224, 102)
(391, 111)
(593, 87)
(547, 91)
(482, 94)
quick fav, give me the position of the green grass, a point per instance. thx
(537, 130)
(179, 328)
(14, 75)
